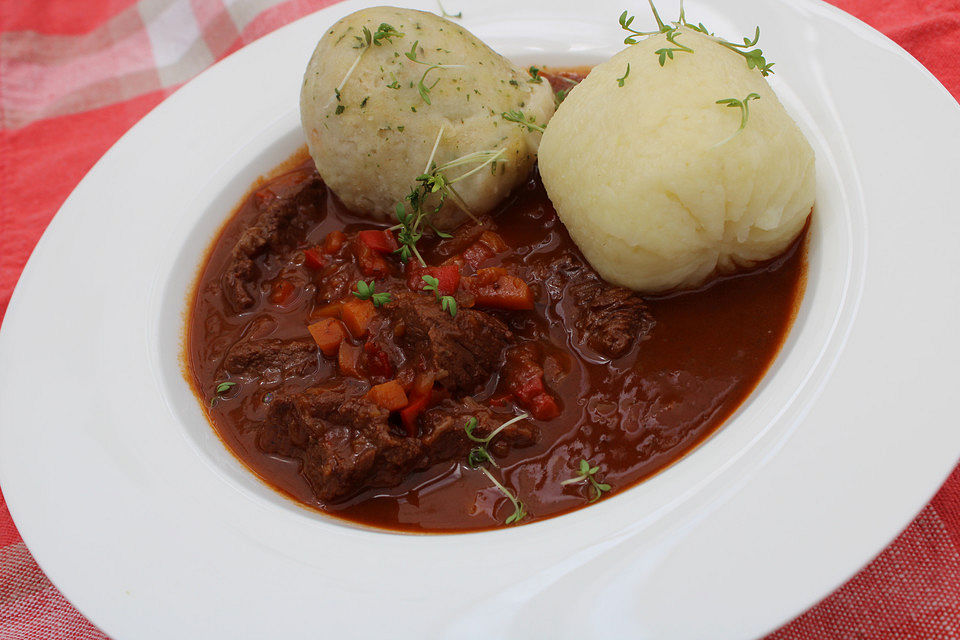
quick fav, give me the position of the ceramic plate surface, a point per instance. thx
(149, 525)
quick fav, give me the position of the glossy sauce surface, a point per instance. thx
(632, 416)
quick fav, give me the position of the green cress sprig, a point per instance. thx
(670, 30)
(384, 33)
(749, 50)
(422, 85)
(753, 56)
(559, 96)
(519, 510)
(447, 303)
(529, 122)
(588, 473)
(623, 78)
(480, 455)
(535, 76)
(744, 112)
(415, 215)
(444, 14)
(221, 389)
(366, 291)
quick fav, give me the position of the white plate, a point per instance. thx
(137, 512)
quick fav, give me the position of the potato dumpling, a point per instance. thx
(373, 116)
(654, 181)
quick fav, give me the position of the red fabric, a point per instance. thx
(74, 76)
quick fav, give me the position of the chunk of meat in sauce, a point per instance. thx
(463, 351)
(445, 438)
(608, 318)
(347, 444)
(250, 357)
(611, 319)
(282, 223)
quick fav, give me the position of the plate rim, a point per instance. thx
(52, 229)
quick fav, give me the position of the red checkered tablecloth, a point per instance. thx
(76, 74)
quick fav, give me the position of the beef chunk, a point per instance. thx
(609, 318)
(444, 436)
(346, 444)
(281, 224)
(464, 351)
(253, 357)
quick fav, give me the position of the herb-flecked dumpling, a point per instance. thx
(390, 90)
(655, 180)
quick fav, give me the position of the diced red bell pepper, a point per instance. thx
(494, 287)
(380, 240)
(448, 277)
(411, 413)
(529, 385)
(313, 259)
(523, 376)
(544, 407)
(282, 292)
(371, 263)
(378, 363)
(334, 242)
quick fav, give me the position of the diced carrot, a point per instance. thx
(348, 359)
(410, 413)
(494, 241)
(494, 287)
(389, 395)
(334, 241)
(456, 261)
(380, 240)
(328, 333)
(282, 292)
(313, 259)
(487, 245)
(357, 314)
(332, 310)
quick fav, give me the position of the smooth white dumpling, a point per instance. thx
(654, 180)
